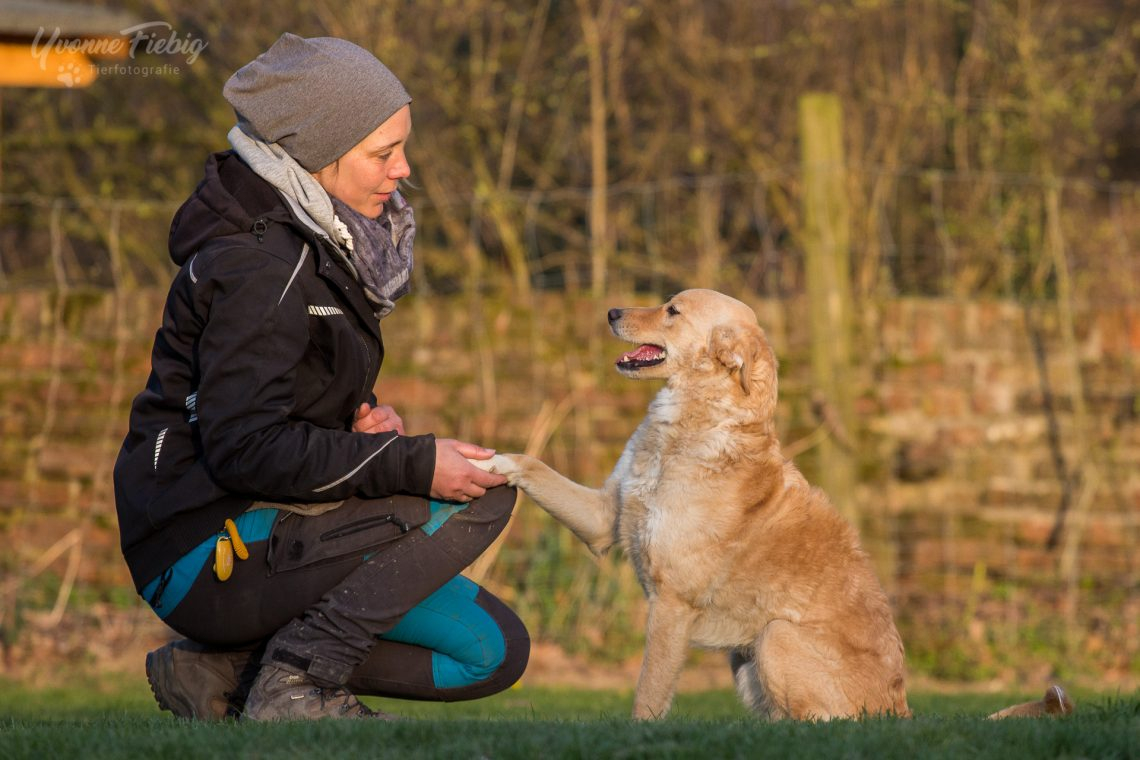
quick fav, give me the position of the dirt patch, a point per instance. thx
(105, 641)
(97, 641)
(550, 665)
(113, 642)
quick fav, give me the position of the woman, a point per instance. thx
(258, 434)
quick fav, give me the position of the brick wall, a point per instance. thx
(967, 444)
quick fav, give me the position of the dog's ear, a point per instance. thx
(737, 347)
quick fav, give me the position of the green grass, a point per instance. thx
(122, 721)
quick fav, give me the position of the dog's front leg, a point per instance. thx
(589, 512)
(666, 644)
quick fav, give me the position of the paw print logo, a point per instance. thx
(71, 74)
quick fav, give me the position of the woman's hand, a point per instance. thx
(377, 419)
(455, 478)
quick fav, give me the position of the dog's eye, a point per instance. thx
(671, 310)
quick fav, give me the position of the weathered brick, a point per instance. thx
(957, 376)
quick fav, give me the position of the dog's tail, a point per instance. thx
(1055, 702)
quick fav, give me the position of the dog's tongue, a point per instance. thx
(643, 353)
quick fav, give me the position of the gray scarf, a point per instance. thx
(381, 249)
(378, 251)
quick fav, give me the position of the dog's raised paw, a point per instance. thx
(484, 464)
(499, 465)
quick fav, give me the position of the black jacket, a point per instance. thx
(266, 349)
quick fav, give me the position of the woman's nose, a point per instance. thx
(401, 168)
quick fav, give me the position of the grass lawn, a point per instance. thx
(122, 721)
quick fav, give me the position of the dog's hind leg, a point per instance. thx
(748, 686)
(798, 675)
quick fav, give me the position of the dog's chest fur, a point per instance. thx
(661, 524)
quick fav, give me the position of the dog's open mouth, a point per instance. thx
(647, 355)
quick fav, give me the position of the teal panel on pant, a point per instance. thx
(466, 643)
(254, 525)
(441, 512)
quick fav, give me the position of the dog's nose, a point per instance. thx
(614, 315)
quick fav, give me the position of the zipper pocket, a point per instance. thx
(355, 527)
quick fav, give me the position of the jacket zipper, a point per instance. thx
(364, 389)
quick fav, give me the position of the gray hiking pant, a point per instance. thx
(369, 595)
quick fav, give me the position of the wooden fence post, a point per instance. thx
(827, 252)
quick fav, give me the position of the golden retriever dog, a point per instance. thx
(735, 550)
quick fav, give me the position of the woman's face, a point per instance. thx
(366, 176)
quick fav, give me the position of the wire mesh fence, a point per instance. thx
(998, 458)
(929, 233)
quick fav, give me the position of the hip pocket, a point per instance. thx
(354, 529)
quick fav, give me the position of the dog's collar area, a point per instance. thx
(645, 355)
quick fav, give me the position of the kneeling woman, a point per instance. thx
(270, 510)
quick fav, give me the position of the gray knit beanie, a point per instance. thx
(315, 97)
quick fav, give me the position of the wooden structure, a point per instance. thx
(827, 269)
(57, 44)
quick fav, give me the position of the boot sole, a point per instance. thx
(152, 667)
(160, 669)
